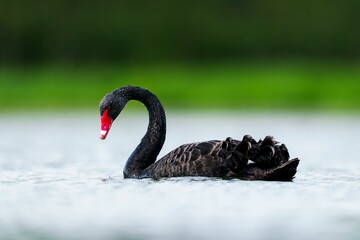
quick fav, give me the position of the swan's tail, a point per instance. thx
(268, 153)
(270, 160)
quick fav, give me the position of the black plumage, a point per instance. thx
(225, 159)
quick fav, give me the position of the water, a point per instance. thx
(59, 181)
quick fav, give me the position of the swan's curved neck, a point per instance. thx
(147, 151)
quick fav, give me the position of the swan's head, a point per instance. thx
(110, 107)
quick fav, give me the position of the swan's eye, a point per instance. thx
(106, 122)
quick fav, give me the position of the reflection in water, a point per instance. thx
(59, 181)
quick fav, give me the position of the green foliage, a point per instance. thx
(237, 85)
(131, 30)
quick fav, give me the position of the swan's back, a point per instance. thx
(211, 159)
(226, 159)
(194, 159)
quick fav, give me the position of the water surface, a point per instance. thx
(59, 181)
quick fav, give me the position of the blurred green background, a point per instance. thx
(213, 54)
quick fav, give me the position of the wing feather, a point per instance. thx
(228, 158)
(209, 158)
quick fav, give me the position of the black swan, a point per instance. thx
(224, 159)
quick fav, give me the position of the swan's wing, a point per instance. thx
(211, 158)
(227, 159)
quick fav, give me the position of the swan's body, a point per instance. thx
(226, 159)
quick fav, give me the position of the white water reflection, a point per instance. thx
(59, 181)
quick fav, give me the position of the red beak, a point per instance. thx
(106, 122)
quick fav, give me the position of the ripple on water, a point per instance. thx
(50, 189)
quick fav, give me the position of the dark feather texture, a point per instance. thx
(225, 159)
